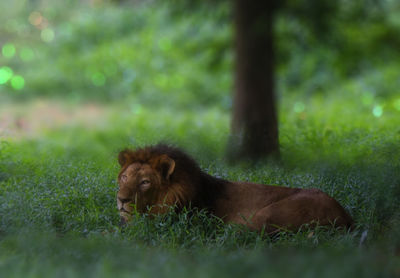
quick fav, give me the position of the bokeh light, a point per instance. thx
(299, 107)
(98, 79)
(26, 54)
(367, 98)
(47, 35)
(17, 82)
(5, 74)
(377, 111)
(396, 104)
(35, 18)
(8, 50)
(136, 109)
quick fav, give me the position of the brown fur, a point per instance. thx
(155, 177)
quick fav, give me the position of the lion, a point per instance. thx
(154, 178)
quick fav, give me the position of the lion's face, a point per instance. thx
(141, 184)
(137, 187)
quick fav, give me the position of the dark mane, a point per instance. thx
(199, 189)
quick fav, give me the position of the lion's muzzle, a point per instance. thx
(123, 205)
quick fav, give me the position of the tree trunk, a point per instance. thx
(254, 121)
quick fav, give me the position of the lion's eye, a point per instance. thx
(124, 178)
(144, 185)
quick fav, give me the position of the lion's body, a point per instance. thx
(257, 205)
(159, 176)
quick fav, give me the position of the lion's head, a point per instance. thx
(143, 182)
(154, 178)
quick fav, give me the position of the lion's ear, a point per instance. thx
(166, 166)
(123, 157)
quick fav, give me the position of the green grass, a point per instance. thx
(58, 199)
(97, 257)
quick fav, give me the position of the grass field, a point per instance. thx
(58, 186)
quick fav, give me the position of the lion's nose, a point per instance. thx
(123, 210)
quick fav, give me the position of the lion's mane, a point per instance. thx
(189, 185)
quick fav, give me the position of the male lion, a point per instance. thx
(157, 177)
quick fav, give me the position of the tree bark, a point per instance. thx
(254, 122)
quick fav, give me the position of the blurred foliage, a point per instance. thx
(355, 41)
(109, 52)
(170, 53)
